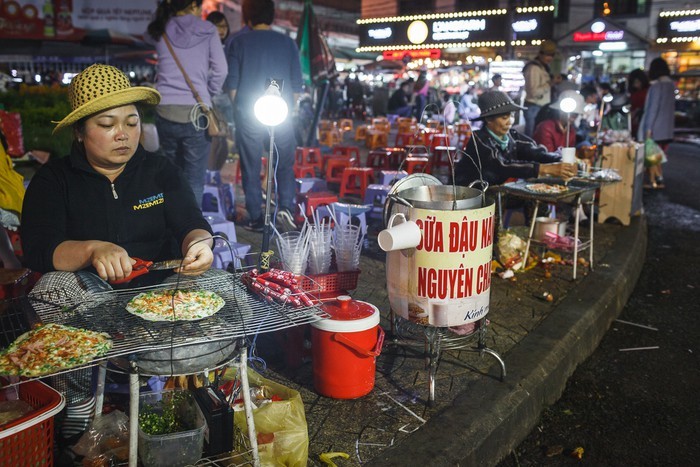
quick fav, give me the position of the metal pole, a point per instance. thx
(317, 114)
(267, 229)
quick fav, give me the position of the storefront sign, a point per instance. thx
(599, 36)
(532, 25)
(679, 25)
(483, 28)
(69, 19)
(433, 54)
(479, 28)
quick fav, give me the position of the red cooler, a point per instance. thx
(345, 348)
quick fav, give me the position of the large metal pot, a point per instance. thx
(440, 197)
(180, 360)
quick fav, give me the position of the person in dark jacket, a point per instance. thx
(110, 200)
(399, 101)
(496, 153)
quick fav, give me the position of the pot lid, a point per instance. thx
(348, 315)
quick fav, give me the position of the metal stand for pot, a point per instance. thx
(436, 339)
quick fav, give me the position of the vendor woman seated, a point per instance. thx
(496, 153)
(109, 200)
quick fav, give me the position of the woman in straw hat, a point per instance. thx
(110, 200)
(496, 152)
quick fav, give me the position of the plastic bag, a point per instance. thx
(106, 434)
(283, 437)
(511, 249)
(653, 154)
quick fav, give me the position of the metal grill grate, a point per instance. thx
(243, 315)
(575, 188)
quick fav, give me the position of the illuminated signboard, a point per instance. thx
(433, 54)
(682, 23)
(483, 28)
(599, 32)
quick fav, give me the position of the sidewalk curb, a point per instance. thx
(489, 419)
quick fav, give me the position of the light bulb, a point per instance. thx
(271, 109)
(568, 104)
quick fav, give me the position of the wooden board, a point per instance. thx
(622, 200)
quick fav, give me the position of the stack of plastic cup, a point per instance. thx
(320, 249)
(348, 246)
(293, 248)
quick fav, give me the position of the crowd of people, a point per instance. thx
(207, 63)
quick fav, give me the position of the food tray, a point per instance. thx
(330, 285)
(29, 439)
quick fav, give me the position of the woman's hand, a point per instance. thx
(558, 169)
(111, 262)
(197, 250)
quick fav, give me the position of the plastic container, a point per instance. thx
(345, 347)
(29, 439)
(175, 449)
(329, 285)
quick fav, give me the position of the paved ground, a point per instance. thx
(639, 407)
(476, 418)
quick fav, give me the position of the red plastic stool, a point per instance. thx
(263, 171)
(355, 181)
(439, 139)
(308, 156)
(304, 171)
(311, 201)
(404, 139)
(442, 155)
(396, 157)
(378, 159)
(335, 167)
(347, 151)
(416, 164)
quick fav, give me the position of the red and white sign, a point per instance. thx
(599, 36)
(433, 54)
(69, 19)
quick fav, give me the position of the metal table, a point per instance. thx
(579, 192)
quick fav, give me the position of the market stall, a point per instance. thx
(170, 347)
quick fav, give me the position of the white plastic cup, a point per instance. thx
(568, 155)
(403, 235)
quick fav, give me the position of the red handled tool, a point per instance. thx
(143, 266)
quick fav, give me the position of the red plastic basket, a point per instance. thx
(29, 439)
(331, 284)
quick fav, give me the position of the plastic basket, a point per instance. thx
(331, 284)
(29, 439)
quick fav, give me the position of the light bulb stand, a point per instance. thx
(270, 110)
(267, 228)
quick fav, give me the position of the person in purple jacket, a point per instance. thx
(179, 120)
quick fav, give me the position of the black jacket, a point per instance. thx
(148, 210)
(521, 159)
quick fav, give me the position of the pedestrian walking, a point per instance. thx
(182, 127)
(258, 57)
(538, 90)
